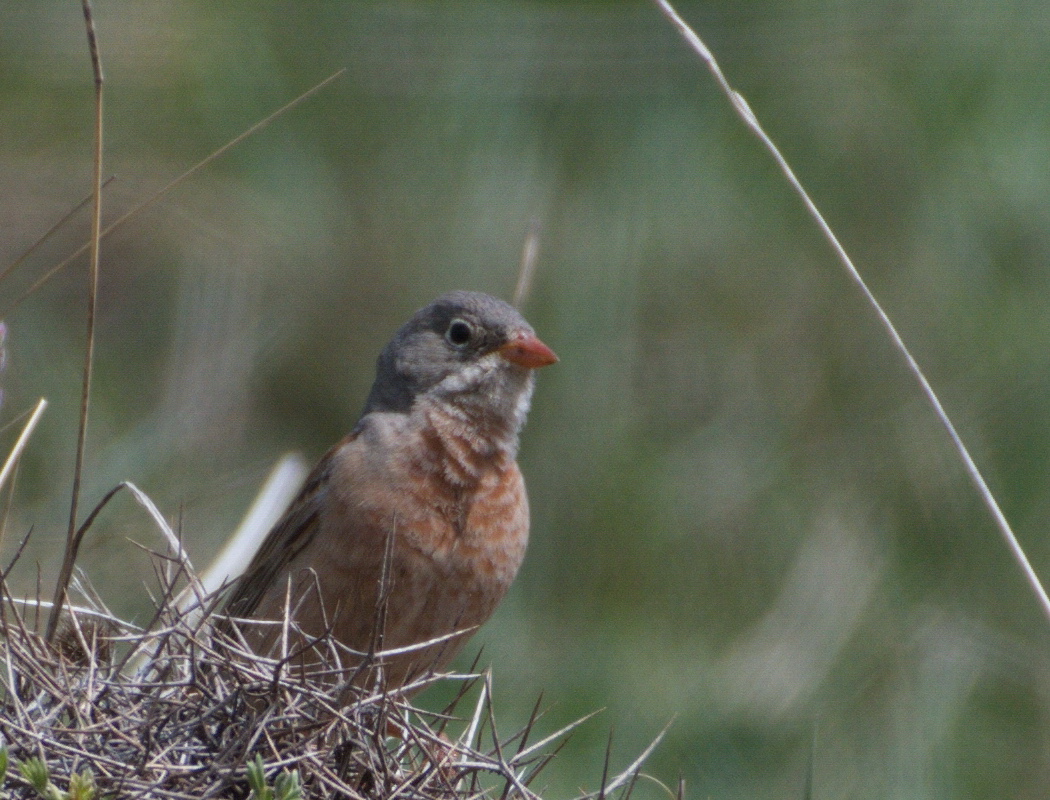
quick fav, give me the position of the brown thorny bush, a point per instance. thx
(182, 708)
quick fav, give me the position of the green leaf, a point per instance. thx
(257, 780)
(34, 770)
(82, 786)
(287, 786)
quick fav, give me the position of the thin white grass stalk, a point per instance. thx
(23, 440)
(429, 679)
(83, 611)
(632, 769)
(289, 617)
(505, 768)
(169, 536)
(165, 529)
(667, 789)
(529, 254)
(412, 648)
(467, 738)
(87, 591)
(524, 754)
(748, 116)
(277, 493)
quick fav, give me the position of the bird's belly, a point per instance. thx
(449, 566)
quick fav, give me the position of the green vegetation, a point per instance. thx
(743, 513)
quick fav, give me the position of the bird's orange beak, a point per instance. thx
(526, 350)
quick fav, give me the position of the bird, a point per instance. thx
(414, 525)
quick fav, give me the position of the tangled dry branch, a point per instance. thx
(182, 709)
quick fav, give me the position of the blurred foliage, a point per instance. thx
(745, 515)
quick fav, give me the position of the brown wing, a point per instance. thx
(289, 537)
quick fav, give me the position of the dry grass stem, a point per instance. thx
(52, 231)
(744, 111)
(22, 441)
(95, 242)
(174, 183)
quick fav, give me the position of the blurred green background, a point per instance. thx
(744, 514)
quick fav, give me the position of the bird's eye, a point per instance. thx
(459, 332)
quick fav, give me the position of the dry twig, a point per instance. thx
(201, 710)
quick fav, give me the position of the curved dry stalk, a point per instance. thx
(73, 549)
(745, 113)
(69, 557)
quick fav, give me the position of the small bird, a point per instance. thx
(414, 525)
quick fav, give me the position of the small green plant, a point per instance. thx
(34, 770)
(285, 787)
(81, 786)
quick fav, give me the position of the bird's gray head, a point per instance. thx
(466, 347)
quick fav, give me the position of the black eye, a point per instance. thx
(459, 332)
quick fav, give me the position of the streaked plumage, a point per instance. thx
(431, 466)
